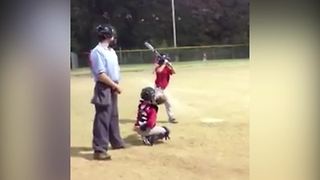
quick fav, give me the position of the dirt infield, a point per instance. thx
(211, 141)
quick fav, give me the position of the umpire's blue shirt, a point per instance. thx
(104, 60)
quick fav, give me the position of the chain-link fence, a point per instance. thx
(193, 53)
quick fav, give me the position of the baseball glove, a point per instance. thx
(160, 99)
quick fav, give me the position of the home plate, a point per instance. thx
(211, 120)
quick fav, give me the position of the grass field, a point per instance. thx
(211, 102)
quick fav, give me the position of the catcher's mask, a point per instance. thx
(148, 94)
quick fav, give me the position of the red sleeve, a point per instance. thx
(168, 70)
(136, 123)
(152, 118)
(137, 117)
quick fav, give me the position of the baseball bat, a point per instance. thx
(149, 46)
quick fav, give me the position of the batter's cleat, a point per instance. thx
(173, 120)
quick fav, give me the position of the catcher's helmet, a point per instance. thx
(148, 94)
(105, 31)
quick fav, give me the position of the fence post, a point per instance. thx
(120, 53)
(74, 60)
(204, 57)
(176, 54)
(232, 52)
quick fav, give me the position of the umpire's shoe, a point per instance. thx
(103, 156)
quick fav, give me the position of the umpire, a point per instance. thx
(106, 73)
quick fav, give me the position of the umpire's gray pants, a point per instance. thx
(106, 119)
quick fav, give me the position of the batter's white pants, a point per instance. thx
(167, 103)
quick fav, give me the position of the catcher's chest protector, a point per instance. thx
(143, 113)
(144, 109)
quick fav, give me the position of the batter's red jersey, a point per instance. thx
(163, 77)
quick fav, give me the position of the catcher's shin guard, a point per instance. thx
(161, 136)
(146, 141)
(166, 134)
(149, 140)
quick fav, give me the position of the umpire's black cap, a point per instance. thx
(105, 31)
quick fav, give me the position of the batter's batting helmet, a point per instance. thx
(148, 94)
(162, 58)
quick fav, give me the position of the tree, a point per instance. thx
(199, 22)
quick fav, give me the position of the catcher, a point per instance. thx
(147, 116)
(164, 70)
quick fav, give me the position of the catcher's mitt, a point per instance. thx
(160, 99)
